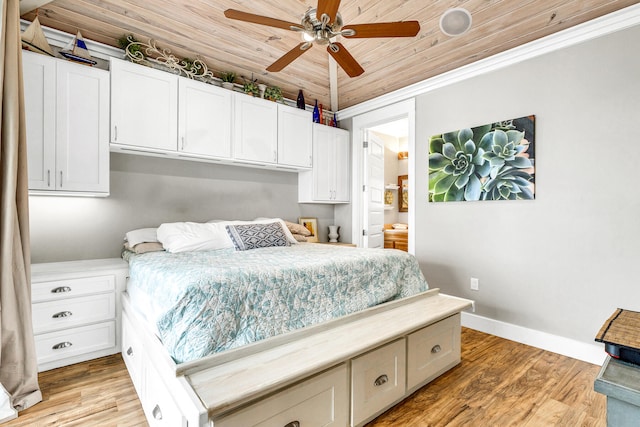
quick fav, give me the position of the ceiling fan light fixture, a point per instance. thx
(455, 22)
(308, 36)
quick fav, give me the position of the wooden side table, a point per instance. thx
(620, 382)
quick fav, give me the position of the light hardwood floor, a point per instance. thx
(498, 383)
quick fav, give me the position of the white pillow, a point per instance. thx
(193, 236)
(141, 235)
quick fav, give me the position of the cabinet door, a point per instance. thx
(255, 129)
(39, 73)
(144, 106)
(295, 136)
(82, 128)
(323, 163)
(342, 165)
(204, 125)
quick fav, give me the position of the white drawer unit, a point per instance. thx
(55, 346)
(432, 350)
(318, 401)
(132, 354)
(64, 289)
(158, 406)
(66, 313)
(377, 381)
(76, 310)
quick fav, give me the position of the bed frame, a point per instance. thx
(343, 372)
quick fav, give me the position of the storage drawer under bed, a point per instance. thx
(319, 401)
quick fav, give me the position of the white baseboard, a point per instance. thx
(591, 353)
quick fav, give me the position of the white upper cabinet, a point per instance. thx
(255, 129)
(144, 107)
(154, 112)
(295, 136)
(329, 180)
(67, 118)
(204, 124)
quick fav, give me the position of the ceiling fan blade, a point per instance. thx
(345, 60)
(330, 7)
(383, 29)
(259, 19)
(288, 57)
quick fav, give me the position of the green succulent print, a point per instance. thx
(489, 162)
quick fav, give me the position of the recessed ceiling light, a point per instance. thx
(455, 22)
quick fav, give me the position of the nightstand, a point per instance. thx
(76, 310)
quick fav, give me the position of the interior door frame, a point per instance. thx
(360, 124)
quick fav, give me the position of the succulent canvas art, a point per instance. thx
(489, 162)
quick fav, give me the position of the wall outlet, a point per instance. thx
(475, 284)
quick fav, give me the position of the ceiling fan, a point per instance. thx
(322, 25)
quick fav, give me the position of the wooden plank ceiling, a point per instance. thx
(192, 28)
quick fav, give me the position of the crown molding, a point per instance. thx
(62, 40)
(610, 23)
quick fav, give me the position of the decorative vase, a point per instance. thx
(262, 87)
(316, 113)
(300, 102)
(333, 233)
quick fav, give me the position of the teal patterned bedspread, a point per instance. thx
(208, 301)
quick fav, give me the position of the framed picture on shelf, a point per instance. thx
(310, 224)
(403, 193)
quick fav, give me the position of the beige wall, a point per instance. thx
(147, 191)
(562, 263)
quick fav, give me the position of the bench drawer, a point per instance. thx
(433, 350)
(377, 381)
(318, 401)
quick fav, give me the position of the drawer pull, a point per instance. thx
(62, 345)
(157, 413)
(293, 424)
(62, 314)
(60, 289)
(382, 379)
(129, 351)
(436, 349)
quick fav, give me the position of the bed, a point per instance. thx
(285, 334)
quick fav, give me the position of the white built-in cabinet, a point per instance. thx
(144, 107)
(255, 129)
(154, 112)
(67, 121)
(204, 119)
(329, 180)
(294, 137)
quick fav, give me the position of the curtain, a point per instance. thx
(18, 366)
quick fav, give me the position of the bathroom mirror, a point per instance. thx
(403, 193)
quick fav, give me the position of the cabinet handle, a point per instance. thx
(129, 351)
(60, 289)
(62, 314)
(48, 177)
(60, 179)
(275, 156)
(157, 413)
(293, 424)
(382, 379)
(436, 349)
(61, 345)
(182, 143)
(115, 133)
